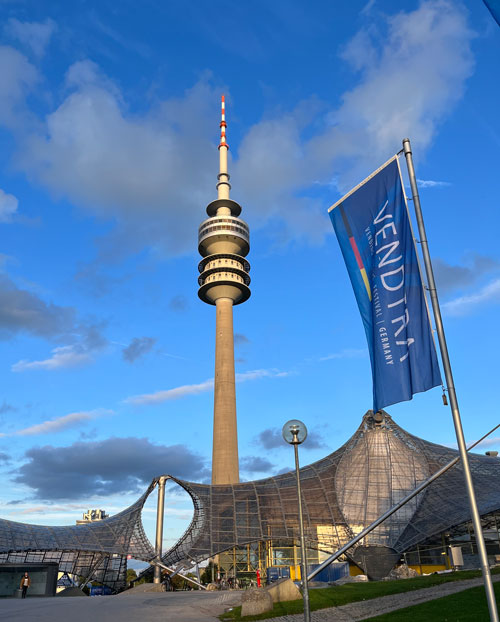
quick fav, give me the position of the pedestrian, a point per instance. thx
(25, 583)
(167, 582)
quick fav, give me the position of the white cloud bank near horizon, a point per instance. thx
(134, 167)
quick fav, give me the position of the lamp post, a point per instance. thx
(159, 526)
(295, 432)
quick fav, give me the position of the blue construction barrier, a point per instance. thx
(100, 590)
(274, 573)
(333, 572)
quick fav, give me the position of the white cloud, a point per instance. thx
(35, 35)
(19, 77)
(368, 7)
(348, 353)
(62, 357)
(87, 73)
(43, 509)
(490, 442)
(429, 183)
(467, 304)
(61, 423)
(493, 441)
(418, 71)
(257, 374)
(410, 78)
(194, 389)
(8, 206)
(134, 169)
(170, 394)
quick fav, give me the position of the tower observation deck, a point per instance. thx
(224, 242)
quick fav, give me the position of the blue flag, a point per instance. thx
(374, 233)
(494, 8)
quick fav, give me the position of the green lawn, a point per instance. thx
(467, 606)
(353, 592)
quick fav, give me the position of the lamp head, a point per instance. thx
(294, 432)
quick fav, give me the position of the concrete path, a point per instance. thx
(127, 607)
(138, 606)
(366, 609)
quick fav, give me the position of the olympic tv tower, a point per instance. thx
(224, 242)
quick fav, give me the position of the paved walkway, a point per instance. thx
(366, 609)
(127, 607)
(138, 606)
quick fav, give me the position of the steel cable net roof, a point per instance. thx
(342, 494)
(97, 550)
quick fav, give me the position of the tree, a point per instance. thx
(207, 574)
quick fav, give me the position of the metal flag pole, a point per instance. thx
(476, 520)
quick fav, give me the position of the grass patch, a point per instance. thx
(354, 592)
(467, 606)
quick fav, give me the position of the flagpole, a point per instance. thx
(476, 519)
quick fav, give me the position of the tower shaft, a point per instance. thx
(225, 469)
(224, 242)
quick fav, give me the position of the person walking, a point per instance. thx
(25, 583)
(167, 582)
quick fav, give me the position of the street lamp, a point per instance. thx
(159, 527)
(295, 432)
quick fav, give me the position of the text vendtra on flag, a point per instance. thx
(374, 233)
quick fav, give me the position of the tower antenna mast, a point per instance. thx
(224, 242)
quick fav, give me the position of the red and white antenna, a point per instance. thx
(223, 185)
(223, 124)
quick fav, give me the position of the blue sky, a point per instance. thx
(109, 129)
